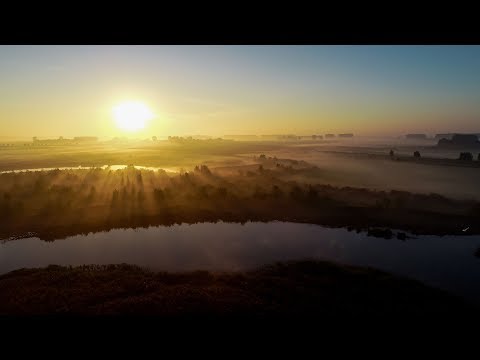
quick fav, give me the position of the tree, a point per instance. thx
(205, 170)
(416, 154)
(140, 196)
(259, 193)
(115, 196)
(466, 156)
(222, 192)
(296, 192)
(312, 193)
(154, 138)
(91, 195)
(391, 153)
(158, 195)
(276, 192)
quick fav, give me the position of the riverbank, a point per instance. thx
(294, 289)
(417, 223)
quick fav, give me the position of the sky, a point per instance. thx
(51, 91)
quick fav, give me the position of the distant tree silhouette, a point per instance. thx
(391, 153)
(222, 192)
(115, 198)
(158, 195)
(296, 192)
(92, 193)
(467, 156)
(6, 204)
(124, 195)
(141, 196)
(276, 192)
(259, 193)
(203, 169)
(312, 193)
(416, 154)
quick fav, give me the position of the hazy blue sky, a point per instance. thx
(218, 90)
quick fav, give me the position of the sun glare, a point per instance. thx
(132, 115)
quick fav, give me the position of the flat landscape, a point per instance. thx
(232, 181)
(240, 181)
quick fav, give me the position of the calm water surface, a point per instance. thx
(447, 262)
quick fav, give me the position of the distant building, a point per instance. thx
(416, 136)
(85, 139)
(270, 137)
(345, 135)
(444, 136)
(463, 140)
(466, 156)
(241, 137)
(289, 137)
(62, 141)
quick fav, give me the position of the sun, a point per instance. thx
(132, 115)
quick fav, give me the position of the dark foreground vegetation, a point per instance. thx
(58, 203)
(299, 289)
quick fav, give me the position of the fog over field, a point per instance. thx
(114, 157)
(357, 162)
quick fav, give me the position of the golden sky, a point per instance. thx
(51, 91)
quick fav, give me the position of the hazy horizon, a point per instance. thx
(52, 91)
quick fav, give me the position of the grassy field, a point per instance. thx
(159, 154)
